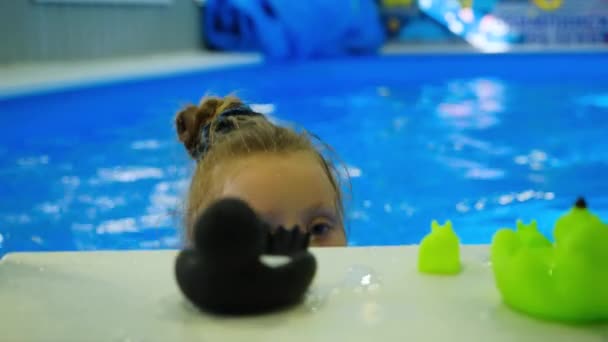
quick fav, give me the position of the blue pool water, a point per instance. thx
(480, 140)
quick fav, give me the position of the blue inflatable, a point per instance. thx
(294, 29)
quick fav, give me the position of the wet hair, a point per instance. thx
(222, 129)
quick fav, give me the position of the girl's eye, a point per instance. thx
(320, 229)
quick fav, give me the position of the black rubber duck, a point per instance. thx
(223, 272)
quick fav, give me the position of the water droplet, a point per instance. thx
(316, 299)
(366, 279)
(362, 279)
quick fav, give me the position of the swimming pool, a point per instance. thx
(478, 139)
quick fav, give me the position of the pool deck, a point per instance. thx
(20, 79)
(17, 79)
(359, 294)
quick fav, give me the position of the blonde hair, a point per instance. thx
(249, 135)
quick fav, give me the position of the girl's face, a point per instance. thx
(287, 190)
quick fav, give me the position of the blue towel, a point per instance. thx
(294, 29)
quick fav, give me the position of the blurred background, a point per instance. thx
(59, 30)
(479, 111)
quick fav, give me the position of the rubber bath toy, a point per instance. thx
(439, 251)
(223, 272)
(578, 215)
(530, 235)
(565, 281)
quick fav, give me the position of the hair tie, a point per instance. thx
(222, 125)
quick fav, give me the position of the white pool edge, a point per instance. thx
(358, 295)
(24, 79)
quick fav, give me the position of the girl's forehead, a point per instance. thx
(299, 164)
(279, 180)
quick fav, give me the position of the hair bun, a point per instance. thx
(190, 120)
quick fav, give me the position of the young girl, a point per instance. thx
(276, 170)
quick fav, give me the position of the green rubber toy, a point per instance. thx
(439, 251)
(530, 235)
(565, 281)
(573, 219)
